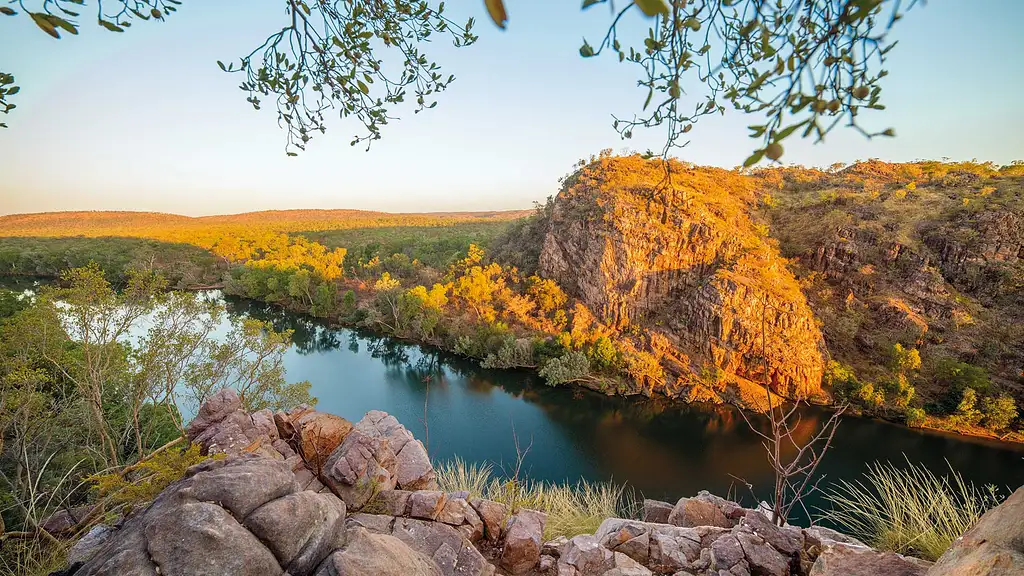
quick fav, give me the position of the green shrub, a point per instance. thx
(140, 483)
(998, 412)
(957, 376)
(570, 367)
(908, 510)
(966, 413)
(915, 417)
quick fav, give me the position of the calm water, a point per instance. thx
(663, 448)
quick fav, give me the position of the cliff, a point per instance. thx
(682, 262)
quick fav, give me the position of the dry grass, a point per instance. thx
(908, 510)
(572, 509)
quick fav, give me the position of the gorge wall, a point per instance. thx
(682, 263)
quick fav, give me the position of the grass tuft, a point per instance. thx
(909, 510)
(572, 509)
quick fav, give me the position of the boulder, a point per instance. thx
(427, 504)
(263, 421)
(318, 434)
(554, 546)
(838, 559)
(193, 526)
(657, 511)
(693, 512)
(454, 511)
(414, 469)
(493, 516)
(285, 420)
(524, 534)
(233, 434)
(88, 545)
(587, 556)
(787, 539)
(203, 538)
(376, 523)
(359, 468)
(444, 544)
(761, 557)
(213, 410)
(993, 547)
(473, 527)
(378, 554)
(301, 529)
(240, 484)
(821, 535)
(393, 502)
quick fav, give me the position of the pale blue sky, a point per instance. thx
(146, 121)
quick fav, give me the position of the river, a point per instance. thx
(662, 448)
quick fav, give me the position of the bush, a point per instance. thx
(966, 412)
(570, 367)
(140, 483)
(998, 412)
(908, 510)
(915, 417)
(957, 376)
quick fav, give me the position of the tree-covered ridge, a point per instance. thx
(916, 273)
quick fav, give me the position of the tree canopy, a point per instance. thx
(798, 66)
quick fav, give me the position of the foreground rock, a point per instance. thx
(358, 511)
(994, 547)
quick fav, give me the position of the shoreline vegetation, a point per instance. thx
(426, 279)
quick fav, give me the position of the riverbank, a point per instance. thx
(933, 425)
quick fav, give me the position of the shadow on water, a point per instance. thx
(663, 448)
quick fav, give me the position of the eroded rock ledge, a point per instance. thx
(305, 493)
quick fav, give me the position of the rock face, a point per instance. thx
(688, 266)
(994, 547)
(198, 525)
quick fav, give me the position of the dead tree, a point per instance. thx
(795, 475)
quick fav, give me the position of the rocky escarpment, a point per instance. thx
(683, 261)
(923, 255)
(262, 511)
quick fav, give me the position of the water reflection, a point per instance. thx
(661, 447)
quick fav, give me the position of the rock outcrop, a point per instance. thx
(993, 547)
(685, 263)
(250, 513)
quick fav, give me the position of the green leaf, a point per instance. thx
(156, 13)
(363, 87)
(15, 89)
(111, 26)
(496, 10)
(586, 50)
(589, 3)
(789, 130)
(63, 24)
(652, 7)
(7, 11)
(754, 159)
(222, 67)
(45, 25)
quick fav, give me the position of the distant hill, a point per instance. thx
(160, 225)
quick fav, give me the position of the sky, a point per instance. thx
(145, 120)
